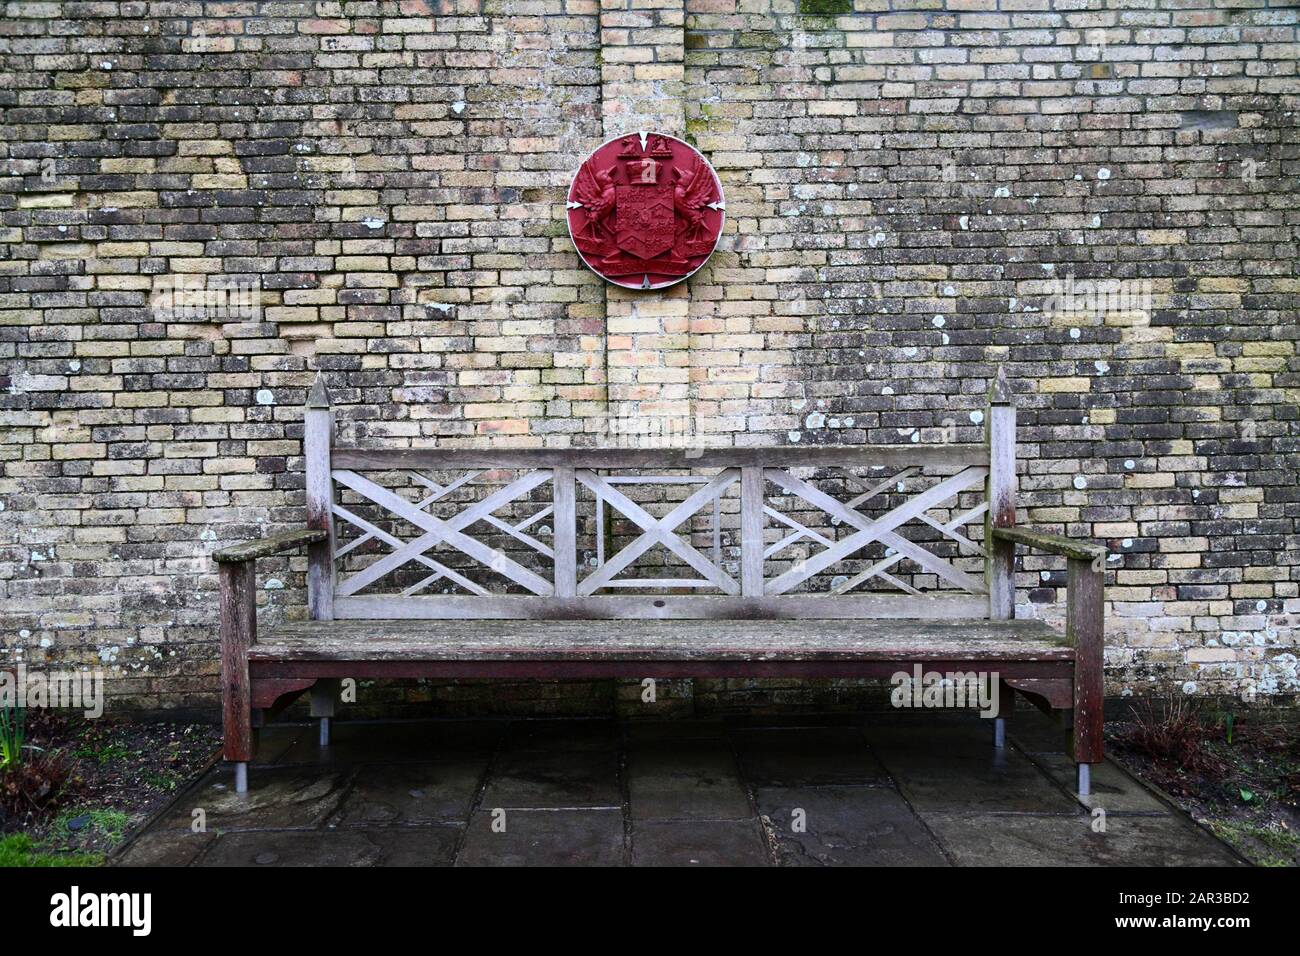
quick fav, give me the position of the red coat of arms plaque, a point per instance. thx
(645, 210)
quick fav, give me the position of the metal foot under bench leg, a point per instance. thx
(325, 731)
(241, 777)
(1084, 778)
(999, 732)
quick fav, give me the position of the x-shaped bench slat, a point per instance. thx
(659, 531)
(879, 567)
(882, 529)
(437, 531)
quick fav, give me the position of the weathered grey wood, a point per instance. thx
(664, 640)
(440, 570)
(870, 491)
(879, 567)
(1085, 630)
(1001, 497)
(660, 459)
(437, 531)
(1054, 543)
(879, 530)
(317, 437)
(516, 531)
(265, 547)
(658, 531)
(751, 531)
(662, 606)
(237, 607)
(565, 537)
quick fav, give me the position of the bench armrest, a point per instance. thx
(1055, 543)
(1085, 628)
(264, 547)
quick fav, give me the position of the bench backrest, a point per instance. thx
(566, 533)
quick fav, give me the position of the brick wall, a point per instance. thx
(1099, 194)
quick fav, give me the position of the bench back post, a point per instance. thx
(317, 437)
(1001, 432)
(751, 531)
(565, 540)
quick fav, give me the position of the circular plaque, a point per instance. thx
(645, 210)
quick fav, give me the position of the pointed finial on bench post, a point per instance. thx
(1001, 431)
(318, 396)
(317, 442)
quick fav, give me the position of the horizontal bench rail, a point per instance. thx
(822, 456)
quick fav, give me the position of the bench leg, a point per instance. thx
(238, 605)
(324, 697)
(1006, 705)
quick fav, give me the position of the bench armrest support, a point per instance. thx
(265, 547)
(1084, 628)
(238, 604)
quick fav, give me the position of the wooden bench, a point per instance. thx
(537, 569)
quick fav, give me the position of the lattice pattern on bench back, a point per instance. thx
(854, 532)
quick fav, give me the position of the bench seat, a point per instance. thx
(683, 640)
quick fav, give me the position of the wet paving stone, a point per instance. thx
(278, 797)
(887, 790)
(653, 730)
(847, 826)
(685, 780)
(1112, 789)
(1036, 733)
(437, 792)
(413, 741)
(958, 768)
(165, 848)
(554, 779)
(544, 838)
(1036, 840)
(276, 740)
(413, 846)
(528, 735)
(699, 843)
(807, 756)
(961, 734)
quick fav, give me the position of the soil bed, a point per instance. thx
(85, 784)
(1235, 771)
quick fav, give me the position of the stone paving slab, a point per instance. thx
(920, 789)
(378, 846)
(544, 838)
(991, 839)
(277, 798)
(416, 793)
(700, 843)
(807, 756)
(551, 779)
(686, 780)
(847, 826)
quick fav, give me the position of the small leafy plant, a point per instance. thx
(13, 734)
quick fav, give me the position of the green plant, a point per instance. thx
(20, 850)
(110, 823)
(13, 732)
(104, 754)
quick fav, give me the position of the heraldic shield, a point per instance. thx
(645, 210)
(645, 222)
